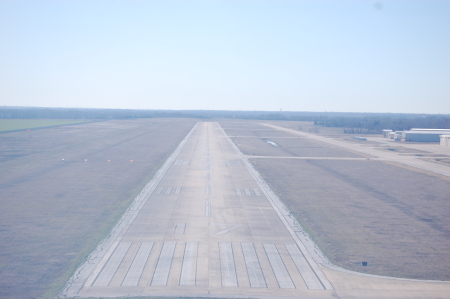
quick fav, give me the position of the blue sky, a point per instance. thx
(354, 56)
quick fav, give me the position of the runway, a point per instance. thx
(207, 225)
(205, 228)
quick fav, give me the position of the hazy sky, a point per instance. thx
(361, 56)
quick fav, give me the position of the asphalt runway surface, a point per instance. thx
(208, 226)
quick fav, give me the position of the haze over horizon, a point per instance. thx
(341, 56)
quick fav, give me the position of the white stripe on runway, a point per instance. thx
(164, 262)
(207, 209)
(311, 280)
(113, 264)
(227, 266)
(189, 268)
(137, 267)
(278, 267)
(254, 271)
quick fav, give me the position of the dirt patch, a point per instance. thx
(362, 142)
(444, 160)
(54, 212)
(394, 218)
(401, 149)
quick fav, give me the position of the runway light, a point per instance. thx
(109, 161)
(85, 160)
(131, 161)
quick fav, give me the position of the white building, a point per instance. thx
(430, 135)
(386, 133)
(445, 140)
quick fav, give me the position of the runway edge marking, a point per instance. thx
(278, 206)
(82, 274)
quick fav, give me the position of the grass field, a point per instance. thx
(7, 125)
(54, 211)
(395, 218)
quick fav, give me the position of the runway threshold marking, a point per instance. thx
(137, 267)
(278, 267)
(163, 266)
(227, 266)
(310, 278)
(254, 271)
(189, 267)
(107, 273)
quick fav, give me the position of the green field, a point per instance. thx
(7, 125)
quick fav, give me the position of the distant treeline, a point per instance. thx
(352, 122)
(375, 124)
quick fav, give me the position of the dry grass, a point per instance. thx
(54, 213)
(401, 149)
(394, 218)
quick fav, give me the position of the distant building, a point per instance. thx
(419, 135)
(445, 140)
(386, 133)
(430, 135)
(398, 136)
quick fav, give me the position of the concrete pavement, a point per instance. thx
(208, 226)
